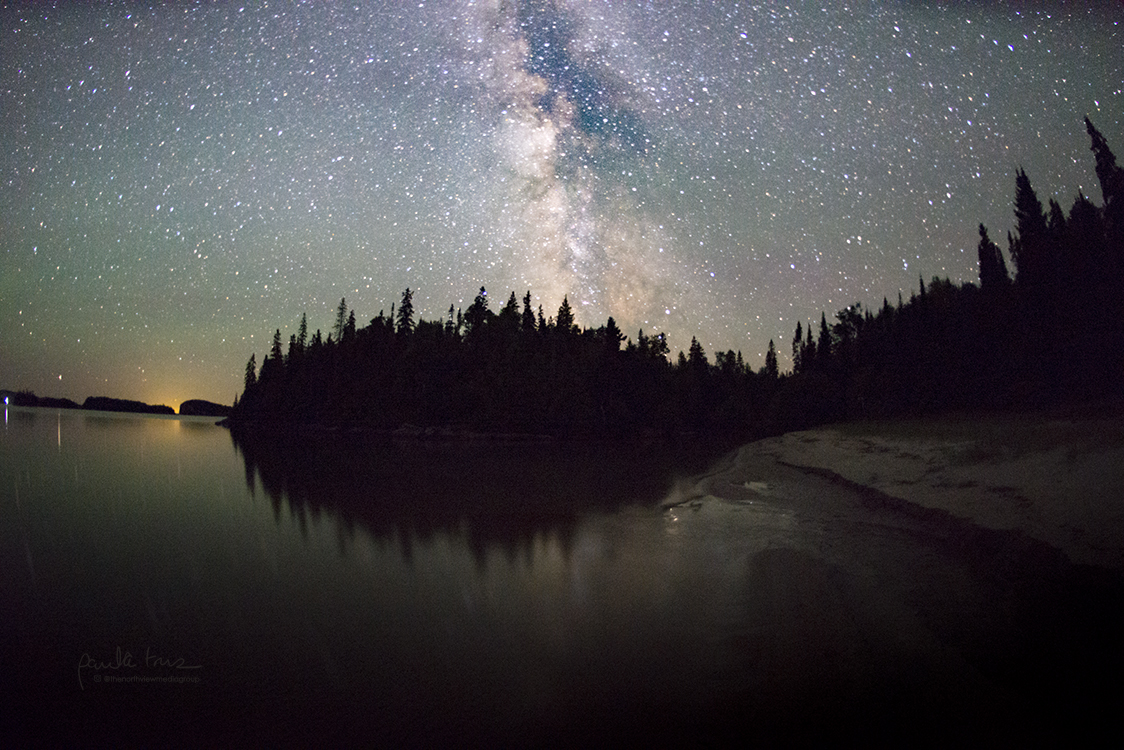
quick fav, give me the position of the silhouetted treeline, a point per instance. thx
(28, 398)
(197, 407)
(93, 403)
(105, 403)
(1055, 331)
(512, 370)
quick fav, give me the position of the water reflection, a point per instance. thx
(489, 493)
(527, 595)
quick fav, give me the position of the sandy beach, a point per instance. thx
(1057, 477)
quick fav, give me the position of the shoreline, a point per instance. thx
(1056, 477)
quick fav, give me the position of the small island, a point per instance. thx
(104, 403)
(197, 407)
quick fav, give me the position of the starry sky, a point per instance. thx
(180, 180)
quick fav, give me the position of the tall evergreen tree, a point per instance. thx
(798, 349)
(527, 320)
(696, 357)
(613, 335)
(275, 349)
(1109, 174)
(509, 314)
(349, 327)
(1031, 246)
(477, 314)
(771, 369)
(251, 378)
(993, 269)
(274, 364)
(565, 321)
(405, 321)
(341, 319)
(302, 333)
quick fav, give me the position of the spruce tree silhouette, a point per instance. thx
(564, 323)
(341, 319)
(993, 269)
(251, 378)
(405, 320)
(527, 320)
(798, 349)
(772, 371)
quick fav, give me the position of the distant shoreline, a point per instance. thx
(80, 412)
(191, 407)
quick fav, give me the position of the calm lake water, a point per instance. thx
(165, 583)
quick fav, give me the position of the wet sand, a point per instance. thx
(1057, 478)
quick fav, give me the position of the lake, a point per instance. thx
(166, 583)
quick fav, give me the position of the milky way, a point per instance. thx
(179, 181)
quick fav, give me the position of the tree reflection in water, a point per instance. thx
(490, 492)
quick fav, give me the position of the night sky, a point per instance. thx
(179, 181)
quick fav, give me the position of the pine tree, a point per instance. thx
(477, 313)
(275, 349)
(1109, 174)
(302, 334)
(565, 321)
(798, 349)
(349, 327)
(405, 320)
(613, 336)
(993, 269)
(274, 363)
(696, 356)
(771, 369)
(509, 314)
(527, 321)
(1030, 248)
(341, 319)
(251, 374)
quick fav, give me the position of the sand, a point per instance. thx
(1057, 477)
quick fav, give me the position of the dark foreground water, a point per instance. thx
(165, 584)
